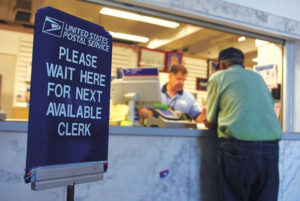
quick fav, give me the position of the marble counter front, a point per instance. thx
(137, 156)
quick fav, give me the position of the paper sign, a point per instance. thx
(268, 72)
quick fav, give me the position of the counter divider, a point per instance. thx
(22, 126)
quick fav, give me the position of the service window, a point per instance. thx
(139, 40)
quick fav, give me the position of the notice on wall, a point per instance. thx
(269, 74)
(70, 91)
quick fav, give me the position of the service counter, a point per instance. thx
(155, 164)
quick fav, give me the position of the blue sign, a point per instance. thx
(70, 91)
(266, 67)
(140, 72)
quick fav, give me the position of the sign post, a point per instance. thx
(69, 104)
(70, 192)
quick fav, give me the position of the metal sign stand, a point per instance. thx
(47, 142)
(70, 192)
(52, 176)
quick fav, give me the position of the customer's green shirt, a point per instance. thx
(239, 101)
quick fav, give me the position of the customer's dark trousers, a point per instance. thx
(248, 171)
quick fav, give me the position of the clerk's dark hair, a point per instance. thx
(176, 68)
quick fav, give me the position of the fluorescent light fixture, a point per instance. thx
(138, 17)
(255, 60)
(119, 13)
(260, 42)
(159, 22)
(130, 37)
(242, 38)
(184, 31)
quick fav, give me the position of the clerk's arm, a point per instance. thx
(194, 110)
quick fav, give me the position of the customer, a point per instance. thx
(176, 97)
(240, 105)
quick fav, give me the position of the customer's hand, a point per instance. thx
(145, 113)
(202, 116)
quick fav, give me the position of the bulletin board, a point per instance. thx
(151, 58)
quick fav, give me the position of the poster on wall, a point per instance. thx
(172, 59)
(201, 84)
(70, 91)
(269, 74)
(151, 58)
(212, 67)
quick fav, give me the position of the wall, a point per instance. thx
(14, 62)
(123, 56)
(286, 8)
(296, 79)
(7, 70)
(196, 68)
(9, 42)
(222, 12)
(18, 44)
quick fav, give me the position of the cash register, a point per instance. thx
(164, 117)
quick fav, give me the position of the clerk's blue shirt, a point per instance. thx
(183, 101)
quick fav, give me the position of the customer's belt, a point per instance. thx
(245, 141)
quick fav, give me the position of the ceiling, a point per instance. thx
(192, 40)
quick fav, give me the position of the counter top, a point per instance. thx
(22, 126)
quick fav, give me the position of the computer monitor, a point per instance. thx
(144, 82)
(137, 84)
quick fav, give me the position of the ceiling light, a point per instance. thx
(184, 31)
(137, 17)
(255, 60)
(159, 22)
(242, 38)
(260, 42)
(119, 13)
(129, 37)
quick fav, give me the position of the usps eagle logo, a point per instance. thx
(53, 26)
